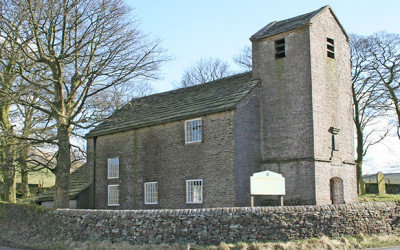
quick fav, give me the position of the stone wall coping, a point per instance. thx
(233, 210)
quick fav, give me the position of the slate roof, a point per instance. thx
(278, 27)
(217, 96)
(77, 183)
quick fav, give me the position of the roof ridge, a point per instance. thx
(262, 30)
(211, 97)
(307, 18)
(190, 87)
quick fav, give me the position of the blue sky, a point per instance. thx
(191, 30)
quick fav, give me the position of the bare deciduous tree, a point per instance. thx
(384, 61)
(244, 58)
(368, 100)
(79, 49)
(204, 70)
(32, 123)
(10, 54)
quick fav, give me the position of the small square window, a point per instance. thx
(280, 48)
(194, 191)
(150, 193)
(330, 48)
(113, 168)
(113, 195)
(193, 131)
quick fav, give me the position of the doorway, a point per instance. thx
(337, 195)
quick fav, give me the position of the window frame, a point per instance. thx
(109, 195)
(201, 191)
(186, 130)
(145, 193)
(109, 172)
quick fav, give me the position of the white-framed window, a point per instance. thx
(193, 130)
(113, 168)
(151, 193)
(194, 191)
(113, 195)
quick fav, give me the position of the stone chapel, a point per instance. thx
(197, 147)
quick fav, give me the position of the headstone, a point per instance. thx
(380, 180)
(362, 186)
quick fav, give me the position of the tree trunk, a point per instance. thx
(25, 183)
(359, 161)
(24, 171)
(8, 154)
(360, 144)
(10, 187)
(61, 198)
(10, 179)
(2, 164)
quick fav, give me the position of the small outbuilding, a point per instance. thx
(79, 191)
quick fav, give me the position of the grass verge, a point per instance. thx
(379, 197)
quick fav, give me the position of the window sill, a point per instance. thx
(192, 142)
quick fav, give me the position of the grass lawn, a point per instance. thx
(379, 197)
(44, 178)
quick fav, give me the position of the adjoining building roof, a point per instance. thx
(77, 183)
(286, 25)
(216, 96)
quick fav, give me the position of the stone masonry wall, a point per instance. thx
(332, 105)
(209, 225)
(159, 154)
(299, 181)
(331, 89)
(247, 128)
(304, 94)
(285, 103)
(287, 143)
(324, 171)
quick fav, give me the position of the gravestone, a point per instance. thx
(362, 186)
(380, 180)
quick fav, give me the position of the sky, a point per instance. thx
(192, 29)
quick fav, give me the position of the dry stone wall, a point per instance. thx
(209, 226)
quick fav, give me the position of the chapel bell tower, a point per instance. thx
(306, 109)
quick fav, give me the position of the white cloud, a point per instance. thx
(384, 157)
